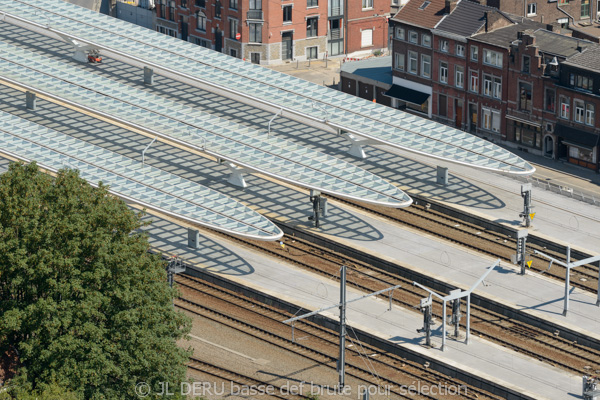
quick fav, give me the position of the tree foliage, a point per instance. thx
(84, 304)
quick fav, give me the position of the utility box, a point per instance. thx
(442, 176)
(193, 238)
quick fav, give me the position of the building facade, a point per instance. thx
(564, 12)
(507, 79)
(264, 32)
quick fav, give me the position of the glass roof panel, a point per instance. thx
(378, 122)
(249, 149)
(33, 143)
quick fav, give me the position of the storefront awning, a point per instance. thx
(407, 95)
(577, 137)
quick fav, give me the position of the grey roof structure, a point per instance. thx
(269, 89)
(378, 68)
(559, 45)
(150, 187)
(465, 20)
(217, 137)
(503, 37)
(588, 59)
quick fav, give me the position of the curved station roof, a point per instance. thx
(150, 187)
(220, 138)
(206, 68)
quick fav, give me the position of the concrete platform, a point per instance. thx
(522, 374)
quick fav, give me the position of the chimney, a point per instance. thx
(579, 48)
(450, 6)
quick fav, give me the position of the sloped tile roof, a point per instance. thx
(466, 19)
(417, 12)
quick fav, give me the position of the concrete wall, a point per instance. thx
(136, 15)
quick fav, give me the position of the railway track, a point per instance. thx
(484, 241)
(388, 371)
(518, 336)
(237, 381)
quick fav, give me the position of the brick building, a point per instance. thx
(502, 77)
(367, 24)
(567, 12)
(256, 30)
(266, 32)
(412, 54)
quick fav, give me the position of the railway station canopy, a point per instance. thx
(220, 138)
(150, 187)
(211, 70)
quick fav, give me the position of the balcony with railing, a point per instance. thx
(335, 34)
(255, 15)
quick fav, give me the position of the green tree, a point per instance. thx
(82, 301)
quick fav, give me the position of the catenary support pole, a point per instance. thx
(341, 360)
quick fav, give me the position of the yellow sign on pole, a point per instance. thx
(531, 215)
(529, 263)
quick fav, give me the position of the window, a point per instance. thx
(495, 121)
(399, 33)
(233, 4)
(487, 85)
(443, 72)
(579, 111)
(233, 28)
(532, 9)
(412, 62)
(581, 82)
(564, 107)
(399, 61)
(413, 37)
(202, 42)
(217, 9)
(171, 10)
(184, 3)
(366, 38)
(200, 3)
(255, 58)
(163, 10)
(426, 40)
(474, 82)
(311, 52)
(312, 3)
(287, 14)
(233, 53)
(526, 64)
(585, 8)
(255, 5)
(492, 58)
(426, 66)
(255, 33)
(201, 22)
(497, 92)
(589, 114)
(459, 76)
(525, 96)
(528, 135)
(550, 100)
(367, 4)
(444, 45)
(460, 50)
(474, 53)
(311, 27)
(490, 119)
